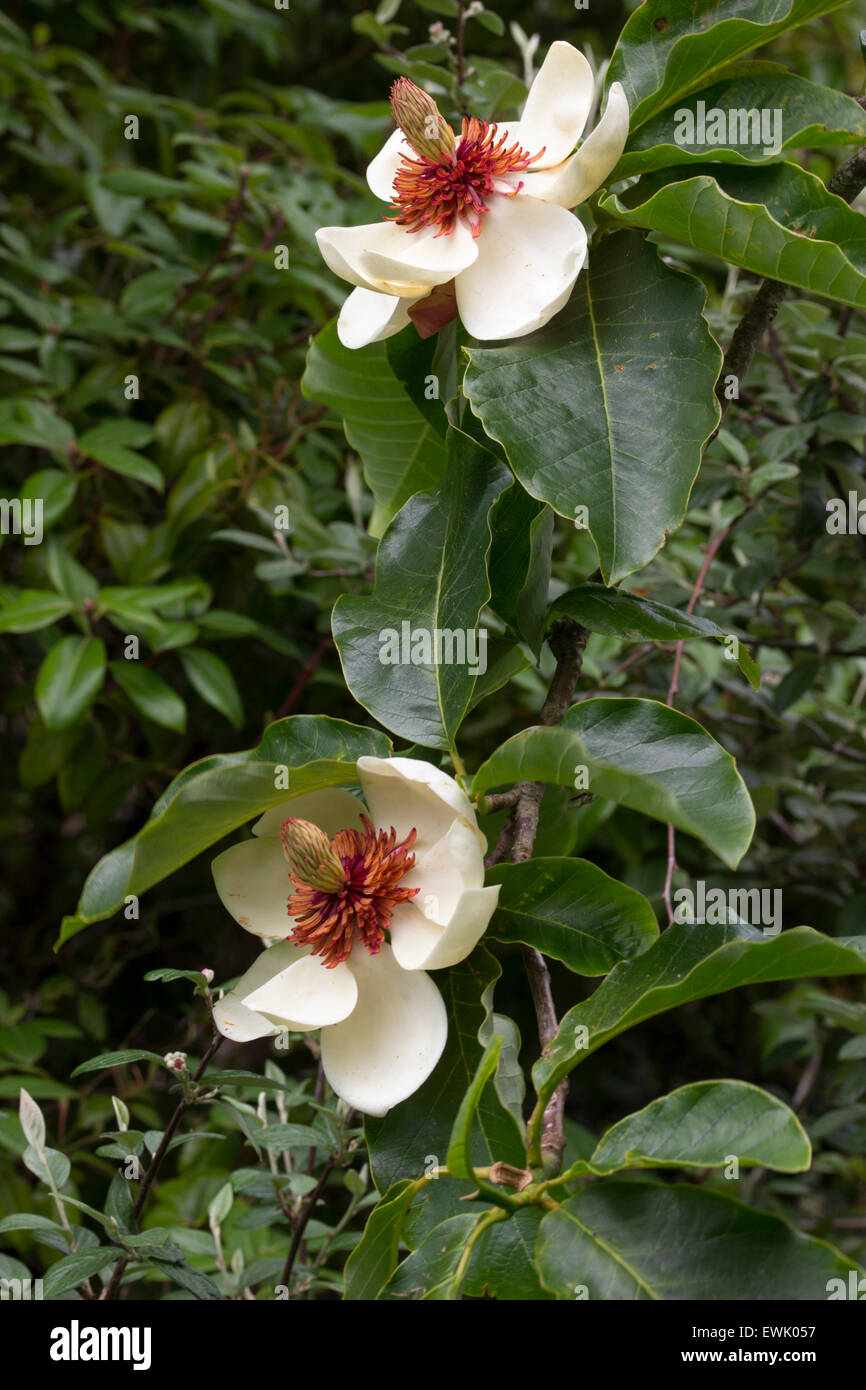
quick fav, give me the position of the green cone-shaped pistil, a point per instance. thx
(418, 117)
(310, 855)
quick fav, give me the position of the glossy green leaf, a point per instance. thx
(150, 694)
(118, 458)
(509, 1081)
(641, 754)
(690, 962)
(400, 450)
(54, 488)
(503, 1260)
(211, 678)
(70, 679)
(416, 1134)
(374, 1258)
(458, 1160)
(702, 1126)
(661, 57)
(811, 116)
(212, 797)
(68, 576)
(519, 564)
(604, 412)
(430, 579)
(615, 1240)
(429, 1272)
(156, 596)
(779, 221)
(27, 421)
(31, 609)
(505, 660)
(143, 183)
(168, 974)
(116, 1059)
(572, 910)
(633, 618)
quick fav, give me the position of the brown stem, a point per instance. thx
(306, 1213)
(303, 680)
(567, 641)
(763, 409)
(270, 237)
(636, 656)
(225, 246)
(845, 183)
(552, 1126)
(712, 551)
(461, 28)
(782, 361)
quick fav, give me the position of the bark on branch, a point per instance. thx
(845, 183)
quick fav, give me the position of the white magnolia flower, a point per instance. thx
(482, 225)
(325, 879)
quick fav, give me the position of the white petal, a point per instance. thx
(422, 944)
(530, 256)
(407, 793)
(369, 317)
(306, 994)
(253, 883)
(332, 809)
(392, 1040)
(382, 170)
(447, 868)
(451, 912)
(573, 181)
(557, 107)
(414, 260)
(231, 1015)
(423, 257)
(340, 248)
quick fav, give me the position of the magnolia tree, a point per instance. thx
(517, 360)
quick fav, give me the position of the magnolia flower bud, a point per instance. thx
(418, 117)
(311, 856)
(208, 973)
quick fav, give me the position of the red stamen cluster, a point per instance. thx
(328, 920)
(429, 191)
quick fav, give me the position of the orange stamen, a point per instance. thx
(436, 192)
(332, 920)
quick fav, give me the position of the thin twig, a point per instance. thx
(807, 1080)
(846, 183)
(461, 36)
(270, 237)
(712, 551)
(567, 641)
(301, 1226)
(225, 246)
(303, 680)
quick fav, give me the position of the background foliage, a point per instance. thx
(153, 258)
